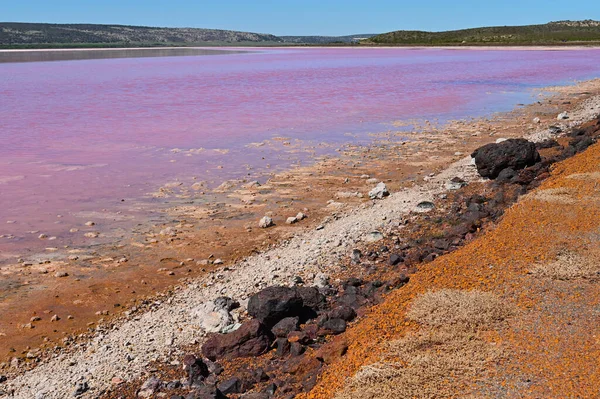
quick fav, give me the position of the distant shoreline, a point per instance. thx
(279, 46)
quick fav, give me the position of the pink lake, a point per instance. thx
(82, 137)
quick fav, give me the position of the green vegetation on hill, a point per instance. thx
(326, 39)
(553, 33)
(31, 35)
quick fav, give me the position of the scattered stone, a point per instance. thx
(42, 236)
(218, 262)
(206, 392)
(92, 234)
(61, 274)
(321, 280)
(81, 388)
(425, 206)
(373, 236)
(342, 312)
(291, 220)
(563, 116)
(300, 216)
(73, 257)
(517, 154)
(456, 184)
(35, 318)
(379, 192)
(265, 222)
(213, 317)
(333, 327)
(148, 388)
(356, 255)
(285, 326)
(232, 385)
(251, 339)
(537, 120)
(274, 303)
(395, 259)
(332, 351)
(90, 224)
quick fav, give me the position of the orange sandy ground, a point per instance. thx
(553, 350)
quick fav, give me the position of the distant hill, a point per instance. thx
(326, 39)
(14, 34)
(561, 32)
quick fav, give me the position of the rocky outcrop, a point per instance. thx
(491, 159)
(251, 339)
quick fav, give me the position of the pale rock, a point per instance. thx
(265, 222)
(379, 192)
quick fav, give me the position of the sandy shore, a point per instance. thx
(124, 348)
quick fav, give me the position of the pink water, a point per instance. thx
(78, 137)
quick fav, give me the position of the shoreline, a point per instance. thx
(111, 278)
(308, 253)
(250, 48)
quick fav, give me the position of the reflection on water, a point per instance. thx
(66, 55)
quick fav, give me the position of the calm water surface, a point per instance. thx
(78, 137)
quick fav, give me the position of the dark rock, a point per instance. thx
(332, 351)
(311, 331)
(210, 381)
(342, 312)
(309, 382)
(301, 365)
(283, 347)
(356, 255)
(271, 389)
(352, 282)
(506, 175)
(299, 336)
(370, 289)
(81, 388)
(525, 177)
(555, 129)
(395, 259)
(275, 303)
(251, 339)
(581, 144)
(333, 327)
(256, 395)
(398, 282)
(285, 326)
(151, 385)
(296, 349)
(214, 367)
(174, 385)
(260, 375)
(517, 154)
(430, 258)
(442, 244)
(384, 249)
(577, 132)
(232, 385)
(197, 370)
(353, 300)
(3, 378)
(351, 289)
(425, 206)
(206, 393)
(312, 298)
(547, 144)
(177, 397)
(226, 303)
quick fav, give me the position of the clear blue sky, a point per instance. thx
(292, 17)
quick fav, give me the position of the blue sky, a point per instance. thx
(291, 17)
